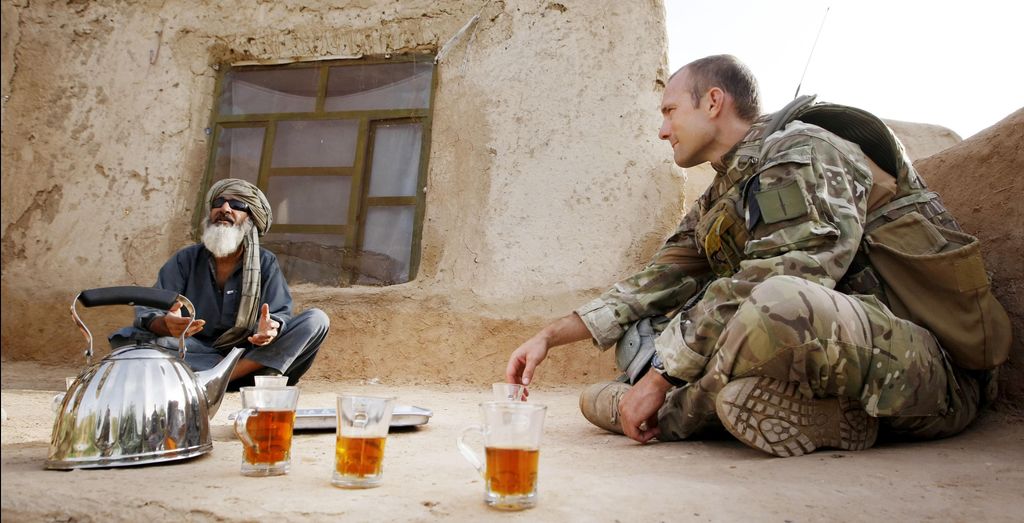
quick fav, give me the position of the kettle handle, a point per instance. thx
(130, 295)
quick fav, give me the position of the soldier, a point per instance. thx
(769, 335)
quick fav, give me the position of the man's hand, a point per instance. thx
(267, 329)
(638, 408)
(173, 323)
(525, 359)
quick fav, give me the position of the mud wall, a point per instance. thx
(545, 123)
(544, 130)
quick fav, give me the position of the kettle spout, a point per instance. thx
(215, 380)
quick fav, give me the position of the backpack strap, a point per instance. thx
(926, 203)
(788, 113)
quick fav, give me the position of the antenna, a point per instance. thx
(820, 27)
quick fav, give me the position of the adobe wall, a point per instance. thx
(545, 126)
(544, 129)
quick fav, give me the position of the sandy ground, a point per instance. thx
(585, 473)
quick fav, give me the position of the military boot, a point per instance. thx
(772, 416)
(599, 403)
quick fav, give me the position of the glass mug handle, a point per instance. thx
(240, 425)
(472, 457)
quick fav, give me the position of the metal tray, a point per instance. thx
(324, 419)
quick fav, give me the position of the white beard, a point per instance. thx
(223, 239)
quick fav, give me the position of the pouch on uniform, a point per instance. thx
(936, 278)
(635, 348)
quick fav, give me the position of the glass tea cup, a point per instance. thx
(509, 392)
(271, 381)
(265, 426)
(363, 423)
(511, 433)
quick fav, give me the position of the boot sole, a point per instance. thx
(772, 416)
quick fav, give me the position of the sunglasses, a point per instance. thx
(237, 205)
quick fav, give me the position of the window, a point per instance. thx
(340, 149)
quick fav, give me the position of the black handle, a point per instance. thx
(128, 295)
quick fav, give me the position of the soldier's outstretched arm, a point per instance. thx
(525, 359)
(674, 274)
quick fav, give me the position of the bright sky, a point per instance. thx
(954, 63)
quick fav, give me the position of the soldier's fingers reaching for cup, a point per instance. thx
(524, 360)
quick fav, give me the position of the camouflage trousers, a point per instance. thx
(831, 344)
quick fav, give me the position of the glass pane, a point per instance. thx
(310, 200)
(308, 258)
(379, 86)
(269, 91)
(238, 153)
(315, 143)
(387, 244)
(396, 160)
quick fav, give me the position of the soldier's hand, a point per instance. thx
(638, 408)
(266, 330)
(524, 360)
(175, 323)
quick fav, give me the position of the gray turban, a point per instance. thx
(259, 207)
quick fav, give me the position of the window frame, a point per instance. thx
(362, 165)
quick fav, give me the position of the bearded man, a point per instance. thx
(238, 290)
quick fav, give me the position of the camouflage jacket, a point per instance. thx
(796, 208)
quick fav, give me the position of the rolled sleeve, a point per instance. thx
(599, 317)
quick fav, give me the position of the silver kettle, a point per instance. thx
(141, 404)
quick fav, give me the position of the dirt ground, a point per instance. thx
(585, 473)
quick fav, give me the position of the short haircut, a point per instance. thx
(729, 74)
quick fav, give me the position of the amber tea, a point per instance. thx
(511, 472)
(511, 432)
(271, 434)
(264, 426)
(363, 423)
(359, 457)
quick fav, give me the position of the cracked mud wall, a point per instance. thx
(544, 127)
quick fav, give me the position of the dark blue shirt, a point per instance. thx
(192, 273)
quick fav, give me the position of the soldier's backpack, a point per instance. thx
(913, 251)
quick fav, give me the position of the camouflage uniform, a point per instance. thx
(769, 243)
